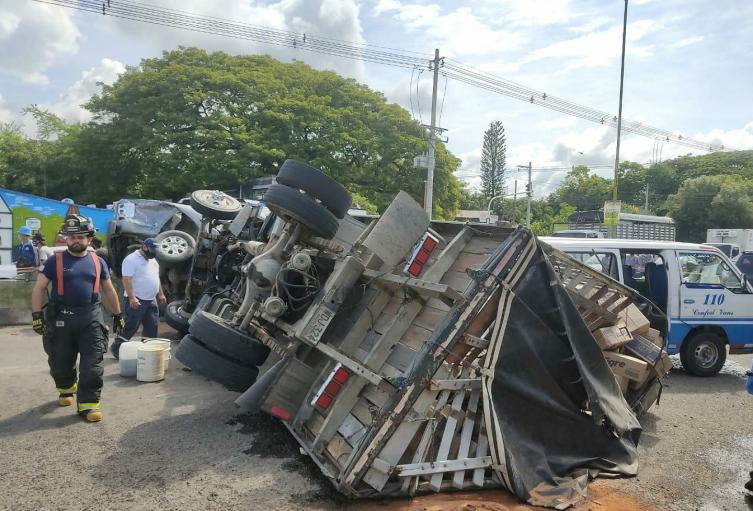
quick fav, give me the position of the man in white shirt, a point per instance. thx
(142, 291)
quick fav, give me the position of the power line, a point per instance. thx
(460, 72)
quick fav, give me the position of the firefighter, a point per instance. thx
(71, 323)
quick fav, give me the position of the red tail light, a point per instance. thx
(420, 255)
(331, 387)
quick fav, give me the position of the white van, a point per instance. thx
(708, 302)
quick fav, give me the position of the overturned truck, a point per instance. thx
(409, 357)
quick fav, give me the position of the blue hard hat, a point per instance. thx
(25, 231)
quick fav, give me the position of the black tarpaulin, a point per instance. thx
(553, 409)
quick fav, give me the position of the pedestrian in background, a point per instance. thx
(71, 324)
(143, 292)
(27, 256)
(43, 251)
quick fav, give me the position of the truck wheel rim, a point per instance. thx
(706, 354)
(173, 245)
(218, 200)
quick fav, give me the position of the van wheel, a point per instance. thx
(703, 354)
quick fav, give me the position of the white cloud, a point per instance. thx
(33, 36)
(8, 24)
(336, 19)
(69, 104)
(537, 12)
(559, 123)
(592, 25)
(458, 32)
(5, 114)
(688, 41)
(597, 48)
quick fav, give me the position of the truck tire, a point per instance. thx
(215, 204)
(174, 248)
(176, 318)
(221, 337)
(319, 185)
(202, 360)
(289, 203)
(703, 354)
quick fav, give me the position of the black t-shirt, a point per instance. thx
(79, 275)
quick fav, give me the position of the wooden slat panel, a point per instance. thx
(466, 435)
(415, 336)
(429, 317)
(449, 433)
(400, 440)
(481, 449)
(383, 322)
(409, 485)
(393, 305)
(456, 280)
(352, 430)
(481, 245)
(468, 260)
(401, 357)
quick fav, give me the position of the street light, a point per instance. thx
(489, 207)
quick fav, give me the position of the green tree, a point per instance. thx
(192, 119)
(709, 202)
(493, 159)
(582, 190)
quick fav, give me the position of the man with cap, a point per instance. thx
(43, 251)
(71, 324)
(27, 256)
(142, 292)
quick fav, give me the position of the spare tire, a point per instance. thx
(217, 334)
(319, 185)
(202, 360)
(174, 247)
(176, 318)
(286, 202)
(215, 204)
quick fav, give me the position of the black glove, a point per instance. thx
(118, 324)
(37, 323)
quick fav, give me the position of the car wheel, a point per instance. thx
(204, 361)
(703, 354)
(217, 334)
(174, 247)
(215, 204)
(176, 318)
(319, 185)
(288, 203)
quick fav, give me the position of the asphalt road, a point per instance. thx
(180, 444)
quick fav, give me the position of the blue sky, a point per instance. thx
(688, 65)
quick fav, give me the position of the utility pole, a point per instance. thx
(646, 206)
(515, 203)
(429, 190)
(529, 192)
(613, 228)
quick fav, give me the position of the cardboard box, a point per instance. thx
(626, 366)
(664, 366)
(655, 337)
(612, 337)
(641, 347)
(634, 319)
(623, 382)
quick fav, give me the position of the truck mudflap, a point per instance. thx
(506, 387)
